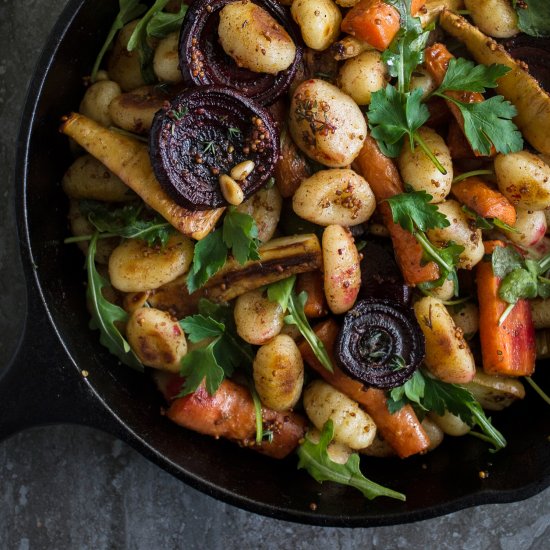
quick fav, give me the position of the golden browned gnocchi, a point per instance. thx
(166, 59)
(278, 372)
(254, 39)
(326, 124)
(494, 17)
(156, 338)
(96, 101)
(265, 207)
(319, 22)
(337, 196)
(136, 267)
(352, 426)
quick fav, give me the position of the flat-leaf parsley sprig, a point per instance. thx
(238, 234)
(414, 213)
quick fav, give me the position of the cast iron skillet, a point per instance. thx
(45, 384)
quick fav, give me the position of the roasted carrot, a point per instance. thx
(483, 200)
(402, 429)
(508, 349)
(436, 61)
(312, 283)
(230, 413)
(375, 22)
(129, 160)
(459, 146)
(385, 182)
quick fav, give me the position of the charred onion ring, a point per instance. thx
(379, 344)
(202, 134)
(204, 62)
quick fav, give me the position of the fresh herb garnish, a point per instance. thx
(533, 16)
(208, 147)
(105, 315)
(521, 278)
(414, 212)
(239, 233)
(428, 394)
(124, 222)
(314, 458)
(233, 132)
(283, 293)
(128, 10)
(162, 23)
(406, 51)
(542, 394)
(488, 223)
(463, 74)
(219, 357)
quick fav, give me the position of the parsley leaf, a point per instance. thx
(394, 115)
(414, 212)
(282, 292)
(314, 458)
(125, 222)
(239, 234)
(488, 123)
(128, 10)
(412, 390)
(105, 315)
(463, 74)
(219, 357)
(533, 17)
(438, 396)
(406, 51)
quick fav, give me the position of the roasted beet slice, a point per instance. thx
(380, 344)
(381, 278)
(535, 53)
(202, 134)
(204, 62)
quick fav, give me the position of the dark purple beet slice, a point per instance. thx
(381, 277)
(204, 62)
(202, 134)
(380, 344)
(535, 53)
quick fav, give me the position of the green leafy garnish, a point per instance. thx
(463, 74)
(314, 458)
(542, 394)
(219, 357)
(105, 315)
(437, 396)
(488, 223)
(406, 51)
(414, 212)
(533, 16)
(162, 23)
(521, 278)
(238, 234)
(125, 222)
(283, 293)
(128, 10)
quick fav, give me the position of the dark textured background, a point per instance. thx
(73, 487)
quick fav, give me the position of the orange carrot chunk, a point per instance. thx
(508, 349)
(375, 22)
(402, 429)
(483, 200)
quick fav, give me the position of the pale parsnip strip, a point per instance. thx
(129, 160)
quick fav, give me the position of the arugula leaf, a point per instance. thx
(105, 315)
(128, 10)
(138, 40)
(282, 293)
(439, 397)
(406, 51)
(488, 223)
(163, 23)
(463, 74)
(533, 16)
(219, 357)
(314, 458)
(124, 222)
(239, 234)
(488, 123)
(414, 213)
(393, 115)
(412, 390)
(518, 283)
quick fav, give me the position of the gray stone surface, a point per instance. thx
(73, 487)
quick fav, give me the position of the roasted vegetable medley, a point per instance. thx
(321, 225)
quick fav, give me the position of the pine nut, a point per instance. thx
(242, 170)
(231, 190)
